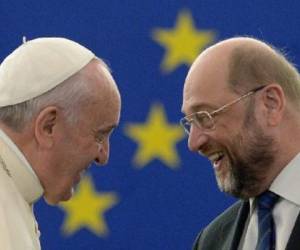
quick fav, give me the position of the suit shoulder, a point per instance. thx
(227, 216)
(216, 230)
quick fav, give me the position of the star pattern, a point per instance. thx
(156, 139)
(86, 209)
(182, 43)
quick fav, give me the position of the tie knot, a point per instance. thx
(267, 200)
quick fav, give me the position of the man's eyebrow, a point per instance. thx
(201, 107)
(108, 128)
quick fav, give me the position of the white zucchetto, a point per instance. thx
(38, 66)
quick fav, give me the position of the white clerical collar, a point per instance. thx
(14, 147)
(19, 169)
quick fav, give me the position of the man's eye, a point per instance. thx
(202, 117)
(99, 137)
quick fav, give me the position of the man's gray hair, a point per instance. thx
(252, 65)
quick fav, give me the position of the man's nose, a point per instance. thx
(102, 154)
(197, 139)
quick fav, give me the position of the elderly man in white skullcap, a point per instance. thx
(58, 106)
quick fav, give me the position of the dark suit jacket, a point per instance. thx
(225, 232)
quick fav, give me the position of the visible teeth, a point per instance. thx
(215, 156)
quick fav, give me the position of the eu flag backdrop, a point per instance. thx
(153, 194)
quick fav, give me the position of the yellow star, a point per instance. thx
(183, 43)
(156, 139)
(87, 208)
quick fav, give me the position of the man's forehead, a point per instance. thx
(205, 94)
(107, 117)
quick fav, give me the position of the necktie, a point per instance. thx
(266, 226)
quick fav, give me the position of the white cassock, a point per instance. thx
(19, 189)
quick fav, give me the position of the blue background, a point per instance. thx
(159, 207)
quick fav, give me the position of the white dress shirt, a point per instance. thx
(285, 212)
(19, 189)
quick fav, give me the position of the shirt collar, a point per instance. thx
(19, 169)
(287, 184)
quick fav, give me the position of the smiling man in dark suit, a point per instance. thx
(242, 104)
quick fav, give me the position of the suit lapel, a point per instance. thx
(294, 241)
(237, 228)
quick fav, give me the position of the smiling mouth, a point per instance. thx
(79, 177)
(216, 159)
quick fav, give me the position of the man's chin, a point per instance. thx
(50, 201)
(230, 187)
(227, 185)
(54, 200)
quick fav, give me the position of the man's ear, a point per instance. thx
(274, 103)
(45, 124)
